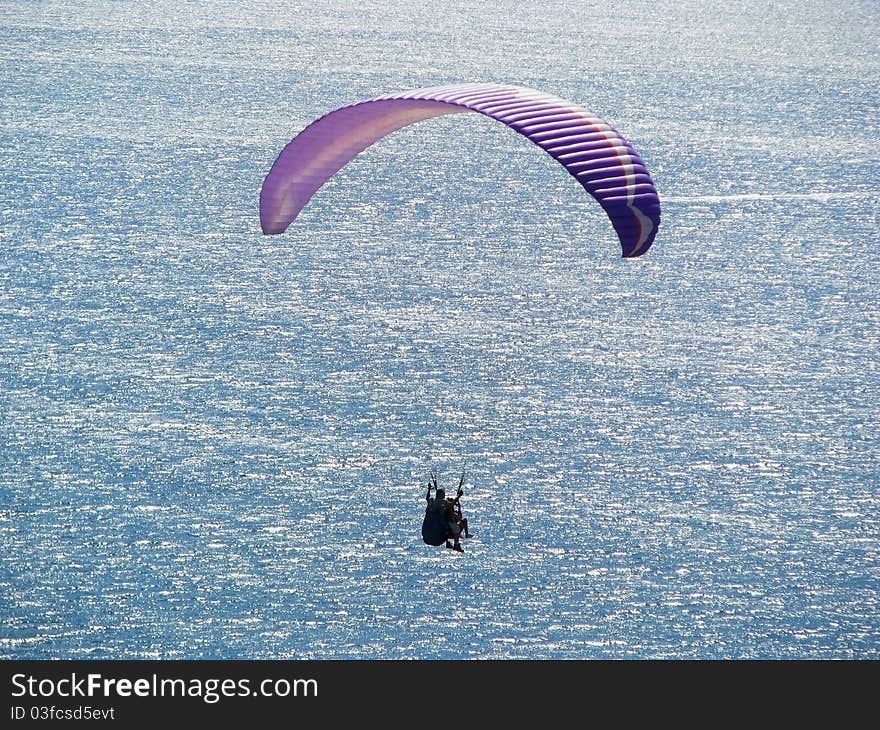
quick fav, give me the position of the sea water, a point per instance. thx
(216, 444)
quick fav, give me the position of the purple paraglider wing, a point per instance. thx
(590, 150)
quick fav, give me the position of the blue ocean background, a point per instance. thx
(215, 444)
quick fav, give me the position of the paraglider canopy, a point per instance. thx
(595, 154)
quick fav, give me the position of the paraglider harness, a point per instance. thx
(435, 526)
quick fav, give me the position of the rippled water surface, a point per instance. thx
(215, 444)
